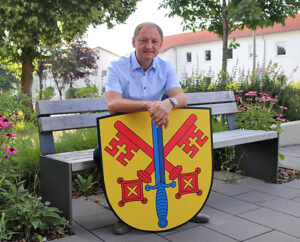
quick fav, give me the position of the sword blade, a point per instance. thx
(158, 152)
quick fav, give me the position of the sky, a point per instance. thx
(118, 39)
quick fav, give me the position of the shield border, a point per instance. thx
(101, 165)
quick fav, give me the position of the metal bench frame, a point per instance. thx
(256, 151)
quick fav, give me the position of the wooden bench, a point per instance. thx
(256, 151)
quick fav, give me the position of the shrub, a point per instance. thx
(23, 215)
(48, 93)
(257, 111)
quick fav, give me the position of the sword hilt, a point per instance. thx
(161, 202)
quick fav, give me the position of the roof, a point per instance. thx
(99, 47)
(291, 24)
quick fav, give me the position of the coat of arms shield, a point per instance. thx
(156, 179)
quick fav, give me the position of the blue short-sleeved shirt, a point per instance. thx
(127, 77)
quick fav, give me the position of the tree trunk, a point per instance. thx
(225, 42)
(254, 55)
(26, 78)
(59, 89)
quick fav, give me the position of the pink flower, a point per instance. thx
(282, 107)
(272, 99)
(16, 115)
(245, 108)
(9, 135)
(263, 94)
(11, 151)
(5, 156)
(263, 99)
(278, 114)
(238, 99)
(239, 91)
(251, 93)
(281, 119)
(6, 120)
(3, 125)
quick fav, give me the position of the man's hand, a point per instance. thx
(159, 112)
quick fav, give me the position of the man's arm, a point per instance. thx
(161, 109)
(117, 104)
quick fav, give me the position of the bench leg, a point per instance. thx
(56, 185)
(258, 159)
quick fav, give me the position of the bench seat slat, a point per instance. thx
(210, 97)
(50, 107)
(67, 122)
(220, 108)
(84, 159)
(241, 136)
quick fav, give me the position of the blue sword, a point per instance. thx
(159, 165)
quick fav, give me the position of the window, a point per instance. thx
(229, 52)
(188, 56)
(207, 55)
(251, 51)
(103, 74)
(281, 49)
(95, 73)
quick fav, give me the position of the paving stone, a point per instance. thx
(225, 176)
(274, 236)
(292, 184)
(91, 215)
(101, 198)
(228, 204)
(200, 234)
(229, 189)
(180, 228)
(106, 234)
(255, 197)
(270, 188)
(80, 235)
(283, 205)
(279, 221)
(297, 199)
(232, 226)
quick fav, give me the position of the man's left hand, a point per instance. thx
(159, 112)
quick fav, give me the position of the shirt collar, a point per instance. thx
(135, 65)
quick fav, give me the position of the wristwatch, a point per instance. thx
(173, 101)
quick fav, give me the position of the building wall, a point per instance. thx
(266, 51)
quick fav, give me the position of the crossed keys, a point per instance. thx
(187, 133)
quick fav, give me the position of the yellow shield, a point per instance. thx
(136, 193)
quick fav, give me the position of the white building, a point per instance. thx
(201, 51)
(104, 57)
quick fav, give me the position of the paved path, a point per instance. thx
(292, 156)
(246, 210)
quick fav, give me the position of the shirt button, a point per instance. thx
(144, 87)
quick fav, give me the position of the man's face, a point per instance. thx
(147, 44)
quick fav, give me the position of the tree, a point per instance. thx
(7, 80)
(210, 15)
(70, 63)
(222, 17)
(26, 25)
(262, 14)
(85, 59)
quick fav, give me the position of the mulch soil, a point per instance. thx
(286, 175)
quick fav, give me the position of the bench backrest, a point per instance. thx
(56, 115)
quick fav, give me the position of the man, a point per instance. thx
(139, 82)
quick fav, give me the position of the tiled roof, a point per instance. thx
(291, 24)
